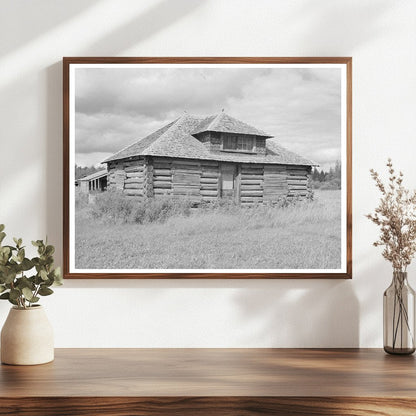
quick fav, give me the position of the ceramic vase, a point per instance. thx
(27, 337)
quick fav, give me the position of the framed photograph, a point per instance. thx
(207, 167)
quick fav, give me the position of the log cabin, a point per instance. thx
(208, 158)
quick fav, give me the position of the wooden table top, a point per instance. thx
(214, 372)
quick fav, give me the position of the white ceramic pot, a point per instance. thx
(27, 337)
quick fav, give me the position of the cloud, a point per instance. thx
(155, 92)
(299, 106)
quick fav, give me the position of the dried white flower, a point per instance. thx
(396, 217)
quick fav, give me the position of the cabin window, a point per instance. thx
(238, 143)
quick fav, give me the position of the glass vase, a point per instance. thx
(399, 316)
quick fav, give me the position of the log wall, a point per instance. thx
(127, 176)
(195, 179)
(162, 176)
(210, 186)
(148, 178)
(298, 181)
(201, 179)
(275, 182)
(186, 178)
(251, 183)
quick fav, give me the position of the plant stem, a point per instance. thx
(401, 314)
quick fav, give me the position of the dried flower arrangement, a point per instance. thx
(396, 217)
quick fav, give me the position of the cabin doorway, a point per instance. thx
(230, 181)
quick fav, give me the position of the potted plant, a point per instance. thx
(396, 217)
(27, 336)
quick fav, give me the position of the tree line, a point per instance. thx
(331, 179)
(81, 171)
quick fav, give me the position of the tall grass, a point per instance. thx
(115, 207)
(224, 236)
(81, 200)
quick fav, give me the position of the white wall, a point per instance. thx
(380, 35)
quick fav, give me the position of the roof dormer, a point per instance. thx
(223, 133)
(223, 123)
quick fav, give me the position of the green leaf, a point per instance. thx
(27, 293)
(26, 264)
(5, 250)
(7, 296)
(15, 293)
(37, 280)
(24, 282)
(45, 291)
(2, 226)
(11, 248)
(37, 243)
(2, 288)
(9, 277)
(43, 274)
(17, 241)
(48, 282)
(48, 260)
(2, 236)
(49, 250)
(21, 255)
(4, 255)
(58, 276)
(13, 302)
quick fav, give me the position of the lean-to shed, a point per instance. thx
(97, 181)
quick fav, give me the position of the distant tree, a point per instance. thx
(315, 174)
(81, 171)
(330, 179)
(337, 169)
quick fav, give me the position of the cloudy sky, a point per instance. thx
(300, 107)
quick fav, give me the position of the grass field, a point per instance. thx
(307, 235)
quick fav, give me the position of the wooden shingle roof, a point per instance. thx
(223, 123)
(139, 146)
(177, 140)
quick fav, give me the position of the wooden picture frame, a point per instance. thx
(214, 130)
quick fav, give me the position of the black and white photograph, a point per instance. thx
(207, 168)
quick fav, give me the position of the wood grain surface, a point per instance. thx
(212, 381)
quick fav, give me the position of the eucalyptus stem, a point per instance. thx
(23, 280)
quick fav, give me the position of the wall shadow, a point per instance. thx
(37, 18)
(301, 313)
(153, 20)
(329, 24)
